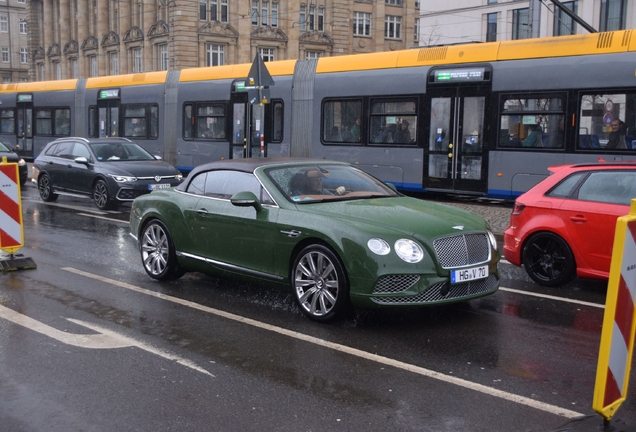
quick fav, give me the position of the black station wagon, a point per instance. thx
(110, 170)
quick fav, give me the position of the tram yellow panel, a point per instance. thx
(473, 53)
(33, 87)
(240, 71)
(563, 46)
(127, 80)
(358, 62)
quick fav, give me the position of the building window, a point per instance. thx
(137, 60)
(313, 19)
(21, 1)
(613, 13)
(6, 80)
(520, 27)
(40, 75)
(416, 30)
(93, 64)
(361, 24)
(563, 23)
(74, 68)
(24, 55)
(23, 27)
(491, 27)
(5, 54)
(215, 55)
(492, 1)
(264, 13)
(218, 10)
(393, 2)
(163, 57)
(267, 54)
(4, 24)
(392, 27)
(114, 63)
(312, 54)
(57, 67)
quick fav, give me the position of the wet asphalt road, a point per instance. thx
(204, 354)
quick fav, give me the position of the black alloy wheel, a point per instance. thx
(45, 188)
(548, 259)
(101, 197)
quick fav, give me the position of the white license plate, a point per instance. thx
(467, 275)
(158, 186)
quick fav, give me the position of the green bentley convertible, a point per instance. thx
(328, 230)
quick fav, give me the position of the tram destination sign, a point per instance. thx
(459, 75)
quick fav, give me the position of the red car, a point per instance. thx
(564, 226)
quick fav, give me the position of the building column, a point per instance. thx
(102, 30)
(64, 23)
(149, 18)
(48, 37)
(82, 34)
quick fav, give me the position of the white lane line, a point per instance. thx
(343, 348)
(562, 299)
(105, 218)
(105, 339)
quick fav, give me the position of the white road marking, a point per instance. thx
(105, 339)
(343, 348)
(563, 299)
(105, 218)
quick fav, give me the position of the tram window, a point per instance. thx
(92, 122)
(136, 121)
(210, 121)
(277, 130)
(608, 122)
(7, 121)
(188, 121)
(393, 121)
(528, 122)
(63, 122)
(43, 122)
(340, 121)
(154, 121)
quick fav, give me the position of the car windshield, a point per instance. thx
(4, 148)
(316, 183)
(124, 151)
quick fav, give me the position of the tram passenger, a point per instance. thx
(402, 135)
(534, 138)
(386, 136)
(355, 130)
(345, 135)
(617, 135)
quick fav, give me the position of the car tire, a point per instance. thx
(548, 259)
(158, 252)
(319, 283)
(45, 188)
(101, 197)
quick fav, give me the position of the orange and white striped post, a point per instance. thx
(11, 231)
(11, 228)
(619, 321)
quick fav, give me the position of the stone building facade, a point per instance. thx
(14, 53)
(86, 38)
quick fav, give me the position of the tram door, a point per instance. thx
(456, 158)
(108, 117)
(248, 126)
(24, 129)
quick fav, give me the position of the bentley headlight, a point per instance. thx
(409, 251)
(123, 179)
(378, 246)
(493, 239)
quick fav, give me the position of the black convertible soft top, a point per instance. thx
(246, 165)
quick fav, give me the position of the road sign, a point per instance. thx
(258, 82)
(619, 322)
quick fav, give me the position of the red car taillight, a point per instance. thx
(518, 208)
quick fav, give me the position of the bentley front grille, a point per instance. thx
(442, 292)
(395, 283)
(462, 250)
